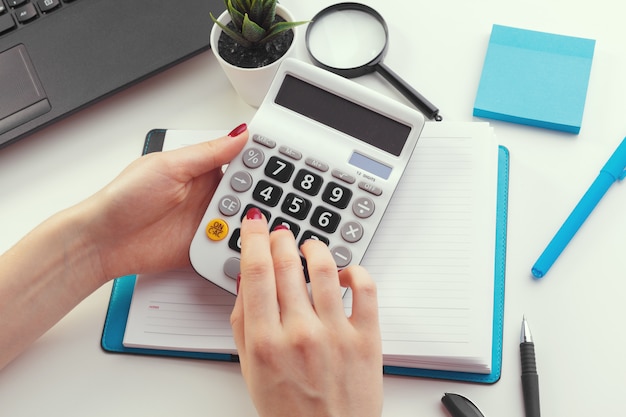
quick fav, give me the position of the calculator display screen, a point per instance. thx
(343, 115)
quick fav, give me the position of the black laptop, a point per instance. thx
(58, 56)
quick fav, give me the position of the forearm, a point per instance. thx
(43, 277)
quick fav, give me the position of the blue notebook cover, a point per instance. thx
(121, 295)
(535, 78)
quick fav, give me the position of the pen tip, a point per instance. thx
(525, 336)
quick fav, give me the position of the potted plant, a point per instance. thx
(250, 39)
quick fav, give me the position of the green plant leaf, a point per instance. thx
(269, 6)
(236, 16)
(279, 28)
(243, 5)
(256, 12)
(251, 31)
(237, 36)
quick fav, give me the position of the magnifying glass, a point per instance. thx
(350, 39)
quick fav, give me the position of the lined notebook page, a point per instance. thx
(432, 258)
(433, 254)
(182, 311)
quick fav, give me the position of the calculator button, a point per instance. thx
(267, 142)
(266, 213)
(293, 226)
(253, 158)
(267, 193)
(232, 267)
(340, 175)
(308, 182)
(352, 232)
(317, 164)
(296, 206)
(229, 205)
(235, 241)
(363, 207)
(325, 220)
(279, 169)
(216, 229)
(290, 152)
(337, 195)
(342, 256)
(370, 188)
(309, 234)
(241, 181)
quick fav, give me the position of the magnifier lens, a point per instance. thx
(346, 39)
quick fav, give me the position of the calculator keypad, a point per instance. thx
(296, 195)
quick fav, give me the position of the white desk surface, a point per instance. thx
(576, 313)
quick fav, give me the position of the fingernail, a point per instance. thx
(281, 227)
(254, 214)
(238, 282)
(238, 130)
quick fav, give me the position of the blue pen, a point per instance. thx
(612, 171)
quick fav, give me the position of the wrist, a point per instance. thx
(81, 247)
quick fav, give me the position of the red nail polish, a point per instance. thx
(238, 130)
(254, 214)
(238, 282)
(281, 227)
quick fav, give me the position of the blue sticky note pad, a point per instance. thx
(535, 78)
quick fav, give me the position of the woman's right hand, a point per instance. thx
(300, 359)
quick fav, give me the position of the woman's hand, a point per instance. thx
(300, 359)
(145, 219)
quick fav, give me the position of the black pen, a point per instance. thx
(530, 379)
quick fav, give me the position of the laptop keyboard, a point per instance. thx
(17, 13)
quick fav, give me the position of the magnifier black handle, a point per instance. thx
(426, 107)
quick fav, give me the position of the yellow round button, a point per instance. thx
(217, 229)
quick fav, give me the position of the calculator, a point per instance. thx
(323, 158)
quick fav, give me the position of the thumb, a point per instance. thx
(204, 157)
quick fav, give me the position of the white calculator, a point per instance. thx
(324, 157)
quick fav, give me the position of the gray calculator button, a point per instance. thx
(317, 164)
(370, 188)
(340, 175)
(229, 205)
(342, 256)
(241, 181)
(253, 157)
(363, 207)
(232, 267)
(352, 232)
(267, 142)
(290, 152)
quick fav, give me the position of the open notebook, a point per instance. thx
(441, 299)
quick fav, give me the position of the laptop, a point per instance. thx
(58, 56)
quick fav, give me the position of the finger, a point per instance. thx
(260, 305)
(324, 279)
(364, 298)
(198, 159)
(293, 297)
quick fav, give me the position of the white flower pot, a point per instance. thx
(251, 84)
